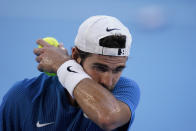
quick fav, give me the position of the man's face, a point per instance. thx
(105, 70)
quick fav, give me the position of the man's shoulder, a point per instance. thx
(127, 88)
(126, 82)
(23, 90)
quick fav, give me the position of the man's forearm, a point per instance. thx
(99, 104)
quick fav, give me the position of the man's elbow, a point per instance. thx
(108, 123)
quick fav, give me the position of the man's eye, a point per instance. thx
(118, 70)
(102, 69)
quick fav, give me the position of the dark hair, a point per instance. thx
(112, 41)
(83, 55)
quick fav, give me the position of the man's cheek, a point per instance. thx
(93, 74)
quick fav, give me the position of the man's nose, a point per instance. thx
(106, 79)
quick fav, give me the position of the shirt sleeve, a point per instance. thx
(127, 91)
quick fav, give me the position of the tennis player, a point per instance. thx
(88, 93)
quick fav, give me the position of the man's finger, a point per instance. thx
(40, 67)
(38, 59)
(42, 43)
(61, 46)
(38, 51)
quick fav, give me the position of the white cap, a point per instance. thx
(97, 27)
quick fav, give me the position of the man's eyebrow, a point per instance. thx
(122, 67)
(99, 64)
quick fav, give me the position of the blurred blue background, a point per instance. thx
(162, 57)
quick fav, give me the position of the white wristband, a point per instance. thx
(70, 74)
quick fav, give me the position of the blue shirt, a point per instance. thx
(42, 104)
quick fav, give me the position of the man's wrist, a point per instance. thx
(57, 66)
(70, 73)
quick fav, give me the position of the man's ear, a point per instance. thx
(75, 55)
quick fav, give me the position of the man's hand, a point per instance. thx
(50, 58)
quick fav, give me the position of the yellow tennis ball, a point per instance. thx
(52, 41)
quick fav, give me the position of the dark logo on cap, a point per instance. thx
(69, 69)
(121, 52)
(108, 30)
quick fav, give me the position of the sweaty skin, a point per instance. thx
(92, 95)
(49, 57)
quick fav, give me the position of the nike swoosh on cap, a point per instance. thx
(44, 124)
(108, 30)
